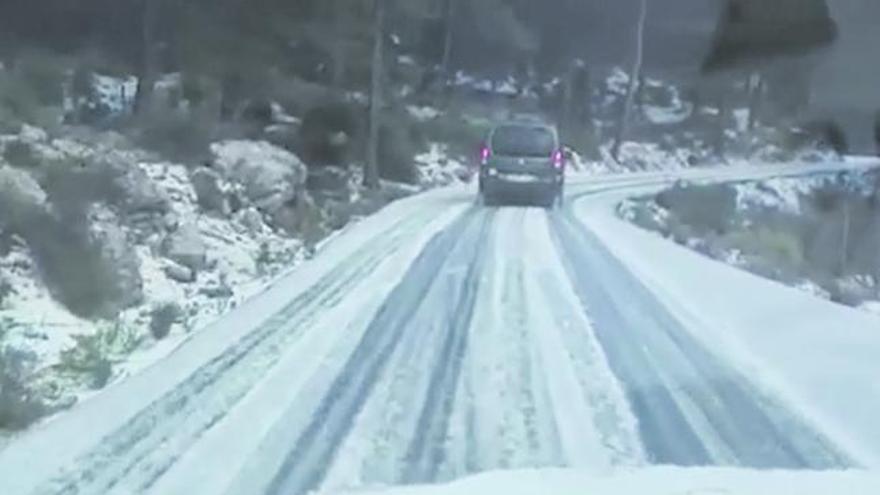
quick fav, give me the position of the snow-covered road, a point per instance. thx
(439, 339)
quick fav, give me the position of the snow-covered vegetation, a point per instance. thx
(820, 234)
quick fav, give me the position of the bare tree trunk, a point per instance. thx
(371, 174)
(877, 134)
(634, 77)
(445, 63)
(721, 125)
(146, 74)
(640, 96)
(756, 90)
(339, 48)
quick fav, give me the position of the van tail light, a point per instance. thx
(558, 159)
(485, 154)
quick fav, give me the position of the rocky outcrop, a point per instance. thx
(118, 258)
(268, 175)
(209, 191)
(186, 247)
(20, 197)
(268, 178)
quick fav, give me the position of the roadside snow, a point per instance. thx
(423, 114)
(233, 252)
(639, 156)
(618, 81)
(872, 307)
(666, 115)
(37, 323)
(437, 168)
(783, 194)
(654, 481)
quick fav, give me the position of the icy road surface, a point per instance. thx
(440, 339)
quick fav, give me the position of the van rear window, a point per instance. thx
(523, 141)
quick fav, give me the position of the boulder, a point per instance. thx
(218, 291)
(270, 177)
(20, 196)
(851, 292)
(302, 218)
(140, 193)
(186, 247)
(178, 272)
(32, 135)
(332, 180)
(252, 221)
(120, 260)
(210, 193)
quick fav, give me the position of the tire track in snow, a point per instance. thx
(312, 456)
(427, 450)
(614, 423)
(377, 450)
(130, 459)
(691, 408)
(528, 430)
(495, 422)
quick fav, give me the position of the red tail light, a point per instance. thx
(558, 159)
(485, 154)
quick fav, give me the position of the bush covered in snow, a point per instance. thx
(161, 319)
(19, 404)
(20, 154)
(820, 233)
(176, 135)
(329, 133)
(397, 149)
(709, 208)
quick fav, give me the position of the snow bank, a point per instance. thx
(639, 156)
(783, 194)
(437, 168)
(654, 481)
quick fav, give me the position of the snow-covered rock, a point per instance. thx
(618, 81)
(179, 273)
(638, 156)
(19, 193)
(120, 260)
(139, 193)
(423, 114)
(186, 247)
(269, 176)
(32, 135)
(436, 167)
(116, 94)
(252, 220)
(335, 181)
(209, 190)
